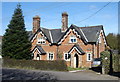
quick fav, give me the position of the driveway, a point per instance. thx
(10, 73)
(81, 75)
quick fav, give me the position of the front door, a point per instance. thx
(38, 57)
(76, 61)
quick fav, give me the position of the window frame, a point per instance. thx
(48, 56)
(74, 38)
(89, 55)
(41, 40)
(67, 57)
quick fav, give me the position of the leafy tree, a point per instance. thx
(112, 41)
(60, 56)
(118, 37)
(15, 40)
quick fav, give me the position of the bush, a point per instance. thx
(57, 65)
(105, 56)
(116, 62)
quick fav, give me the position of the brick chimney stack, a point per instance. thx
(36, 23)
(64, 22)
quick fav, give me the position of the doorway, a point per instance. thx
(38, 57)
(76, 61)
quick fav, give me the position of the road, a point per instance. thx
(21, 74)
(52, 75)
(82, 75)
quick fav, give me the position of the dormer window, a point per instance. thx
(41, 40)
(73, 39)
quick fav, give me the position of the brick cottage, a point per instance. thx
(76, 45)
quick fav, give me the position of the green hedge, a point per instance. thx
(57, 65)
(116, 62)
(105, 62)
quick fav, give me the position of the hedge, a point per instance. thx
(105, 56)
(57, 65)
(116, 62)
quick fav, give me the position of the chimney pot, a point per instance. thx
(64, 14)
(36, 23)
(64, 21)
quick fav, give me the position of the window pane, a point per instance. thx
(49, 56)
(89, 57)
(41, 40)
(69, 56)
(71, 40)
(74, 40)
(66, 56)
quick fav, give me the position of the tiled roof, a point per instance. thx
(40, 49)
(88, 34)
(78, 47)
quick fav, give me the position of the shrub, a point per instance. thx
(105, 56)
(58, 65)
(60, 56)
(116, 62)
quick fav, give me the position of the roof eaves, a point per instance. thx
(77, 48)
(51, 36)
(84, 35)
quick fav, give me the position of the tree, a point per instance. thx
(60, 56)
(15, 40)
(112, 41)
(118, 37)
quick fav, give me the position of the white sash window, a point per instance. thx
(73, 39)
(41, 40)
(50, 56)
(89, 57)
(66, 56)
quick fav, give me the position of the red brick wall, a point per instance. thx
(66, 46)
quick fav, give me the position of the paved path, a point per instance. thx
(83, 75)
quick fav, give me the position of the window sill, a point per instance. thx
(89, 60)
(40, 43)
(66, 60)
(50, 60)
(72, 42)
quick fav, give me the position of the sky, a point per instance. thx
(50, 14)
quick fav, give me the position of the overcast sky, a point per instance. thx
(50, 13)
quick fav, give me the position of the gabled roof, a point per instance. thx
(44, 31)
(40, 49)
(92, 32)
(56, 35)
(78, 48)
(77, 30)
(87, 34)
(29, 34)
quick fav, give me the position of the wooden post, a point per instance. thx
(103, 69)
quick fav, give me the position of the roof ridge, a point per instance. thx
(50, 28)
(91, 26)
